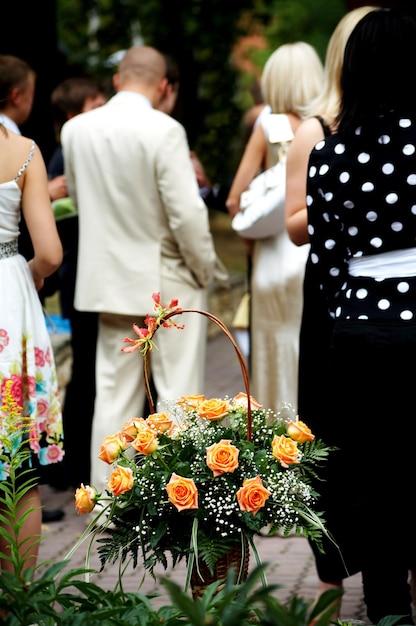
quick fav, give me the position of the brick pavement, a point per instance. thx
(290, 560)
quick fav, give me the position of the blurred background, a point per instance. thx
(219, 46)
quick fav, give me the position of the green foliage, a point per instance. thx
(200, 36)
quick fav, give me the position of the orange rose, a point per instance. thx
(252, 495)
(222, 457)
(299, 431)
(121, 480)
(146, 441)
(85, 499)
(242, 400)
(214, 409)
(161, 422)
(285, 450)
(111, 448)
(190, 402)
(182, 492)
(132, 427)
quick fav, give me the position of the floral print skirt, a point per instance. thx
(27, 367)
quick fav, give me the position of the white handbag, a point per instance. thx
(262, 205)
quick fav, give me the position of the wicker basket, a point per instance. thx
(238, 558)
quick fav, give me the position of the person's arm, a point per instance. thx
(57, 188)
(38, 214)
(251, 161)
(307, 136)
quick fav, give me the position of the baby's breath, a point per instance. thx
(146, 523)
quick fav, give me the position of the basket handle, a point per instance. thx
(223, 327)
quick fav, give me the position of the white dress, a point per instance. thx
(277, 272)
(26, 356)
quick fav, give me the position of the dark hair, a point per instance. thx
(375, 78)
(14, 72)
(69, 97)
(172, 71)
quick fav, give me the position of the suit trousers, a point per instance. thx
(177, 366)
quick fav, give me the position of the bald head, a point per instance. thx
(142, 64)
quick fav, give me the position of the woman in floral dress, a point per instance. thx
(28, 381)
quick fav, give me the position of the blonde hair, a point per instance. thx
(291, 78)
(328, 101)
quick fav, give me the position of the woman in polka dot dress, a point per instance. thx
(361, 199)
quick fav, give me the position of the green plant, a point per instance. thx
(61, 596)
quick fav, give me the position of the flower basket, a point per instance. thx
(237, 558)
(200, 480)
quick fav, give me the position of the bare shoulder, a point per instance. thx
(14, 150)
(310, 130)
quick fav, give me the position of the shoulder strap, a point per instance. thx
(277, 128)
(325, 127)
(26, 163)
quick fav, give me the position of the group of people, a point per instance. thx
(350, 208)
(333, 301)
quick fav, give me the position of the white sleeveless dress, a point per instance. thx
(26, 356)
(277, 272)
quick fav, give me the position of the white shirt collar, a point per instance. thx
(132, 95)
(9, 124)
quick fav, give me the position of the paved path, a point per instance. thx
(290, 560)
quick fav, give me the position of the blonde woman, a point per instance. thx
(292, 78)
(314, 405)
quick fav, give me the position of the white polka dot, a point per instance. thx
(392, 198)
(311, 229)
(338, 311)
(367, 186)
(388, 168)
(413, 209)
(411, 179)
(362, 293)
(376, 242)
(328, 196)
(323, 169)
(314, 258)
(353, 230)
(312, 171)
(363, 157)
(309, 200)
(384, 139)
(348, 293)
(358, 131)
(363, 317)
(371, 216)
(320, 145)
(329, 244)
(406, 315)
(339, 148)
(383, 304)
(349, 204)
(408, 149)
(334, 272)
(403, 287)
(344, 177)
(326, 217)
(397, 227)
(405, 123)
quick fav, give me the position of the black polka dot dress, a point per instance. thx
(362, 207)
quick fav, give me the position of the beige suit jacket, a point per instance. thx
(141, 218)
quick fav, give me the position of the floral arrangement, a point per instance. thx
(202, 476)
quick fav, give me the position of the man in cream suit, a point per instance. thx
(143, 228)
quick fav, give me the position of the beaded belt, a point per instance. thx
(8, 249)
